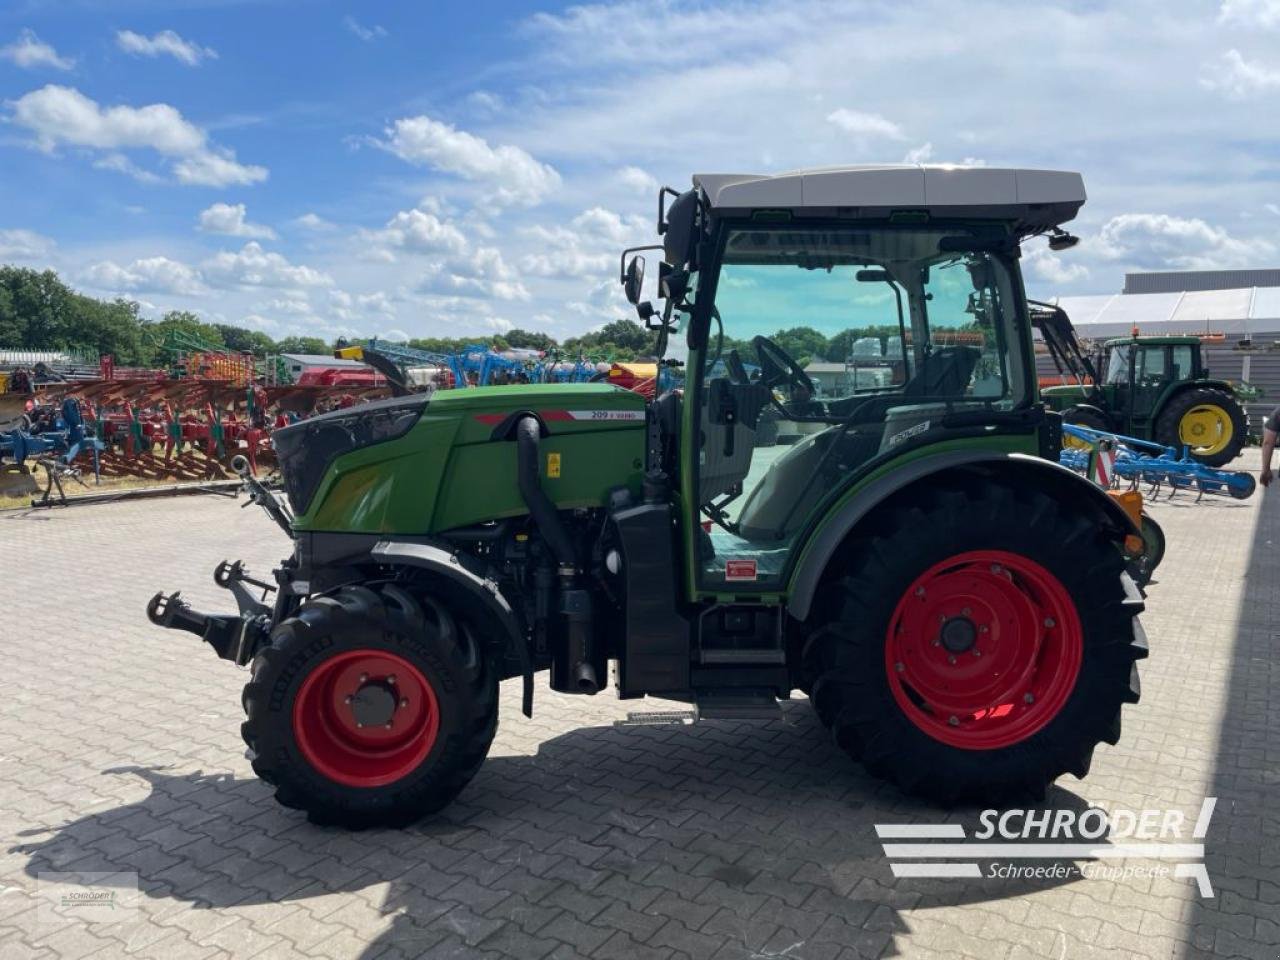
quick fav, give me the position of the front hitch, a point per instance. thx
(232, 637)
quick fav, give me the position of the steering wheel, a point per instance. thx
(777, 368)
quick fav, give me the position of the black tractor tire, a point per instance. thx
(858, 687)
(1166, 427)
(1086, 417)
(301, 741)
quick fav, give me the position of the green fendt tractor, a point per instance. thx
(1151, 388)
(953, 602)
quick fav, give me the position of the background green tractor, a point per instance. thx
(1151, 388)
(953, 601)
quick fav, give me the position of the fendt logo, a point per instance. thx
(1097, 836)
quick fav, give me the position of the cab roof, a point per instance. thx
(1033, 199)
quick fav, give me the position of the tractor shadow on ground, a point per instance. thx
(736, 828)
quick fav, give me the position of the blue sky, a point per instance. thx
(448, 169)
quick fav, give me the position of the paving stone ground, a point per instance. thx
(120, 752)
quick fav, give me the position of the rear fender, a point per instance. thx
(1018, 468)
(478, 596)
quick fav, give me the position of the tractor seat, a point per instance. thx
(944, 373)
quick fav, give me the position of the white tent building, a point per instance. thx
(1241, 313)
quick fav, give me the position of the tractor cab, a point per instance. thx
(915, 266)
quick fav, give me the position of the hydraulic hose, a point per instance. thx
(543, 511)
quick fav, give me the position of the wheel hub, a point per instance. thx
(374, 704)
(958, 634)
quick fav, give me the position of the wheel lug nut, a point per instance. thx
(348, 698)
(364, 677)
(953, 720)
(359, 724)
(404, 701)
(388, 724)
(996, 568)
(391, 678)
(977, 652)
(951, 659)
(965, 612)
(1029, 698)
(984, 629)
(1050, 622)
(919, 591)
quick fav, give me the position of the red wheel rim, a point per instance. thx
(983, 649)
(356, 685)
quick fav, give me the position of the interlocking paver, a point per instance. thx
(579, 838)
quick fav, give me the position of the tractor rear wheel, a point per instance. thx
(1210, 423)
(978, 643)
(370, 708)
(1086, 417)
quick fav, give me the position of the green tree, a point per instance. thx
(246, 341)
(302, 345)
(529, 339)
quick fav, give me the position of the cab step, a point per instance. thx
(731, 704)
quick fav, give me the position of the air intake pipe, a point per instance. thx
(543, 511)
(573, 663)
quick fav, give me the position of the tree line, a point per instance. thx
(38, 311)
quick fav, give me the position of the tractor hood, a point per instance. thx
(305, 449)
(428, 463)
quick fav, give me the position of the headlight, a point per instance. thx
(306, 449)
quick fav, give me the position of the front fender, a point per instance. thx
(463, 586)
(1019, 468)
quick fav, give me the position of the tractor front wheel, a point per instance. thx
(370, 708)
(978, 644)
(1209, 423)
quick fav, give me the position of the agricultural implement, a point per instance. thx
(952, 599)
(1141, 462)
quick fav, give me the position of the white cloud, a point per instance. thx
(29, 52)
(920, 154)
(515, 176)
(229, 219)
(1238, 78)
(1055, 268)
(217, 168)
(1272, 208)
(865, 124)
(1188, 243)
(639, 180)
(313, 221)
(572, 263)
(165, 43)
(254, 267)
(367, 34)
(1251, 13)
(24, 245)
(294, 306)
(150, 274)
(119, 163)
(481, 273)
(417, 231)
(63, 116)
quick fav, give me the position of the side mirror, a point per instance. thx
(633, 279)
